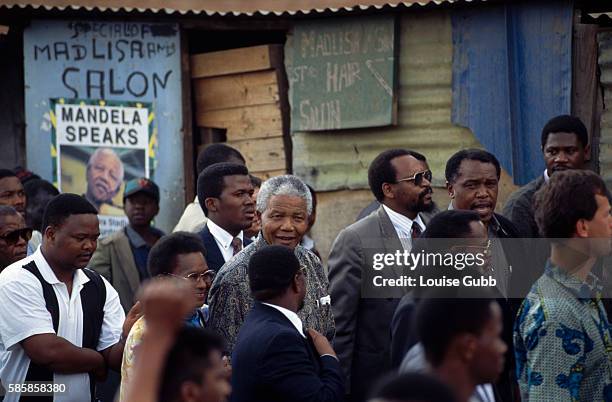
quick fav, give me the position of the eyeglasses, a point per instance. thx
(418, 177)
(13, 237)
(207, 277)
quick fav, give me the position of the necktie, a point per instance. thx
(236, 245)
(416, 230)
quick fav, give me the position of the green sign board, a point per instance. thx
(342, 73)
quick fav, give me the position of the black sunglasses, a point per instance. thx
(418, 177)
(13, 237)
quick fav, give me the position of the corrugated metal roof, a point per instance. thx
(222, 8)
(332, 160)
(605, 143)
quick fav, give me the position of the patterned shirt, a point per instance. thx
(562, 340)
(230, 298)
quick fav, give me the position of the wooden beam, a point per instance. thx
(187, 129)
(237, 90)
(247, 122)
(262, 154)
(242, 60)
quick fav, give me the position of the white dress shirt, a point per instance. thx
(23, 313)
(291, 316)
(403, 226)
(223, 239)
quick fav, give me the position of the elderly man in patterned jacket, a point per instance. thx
(283, 205)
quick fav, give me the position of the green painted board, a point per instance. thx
(342, 73)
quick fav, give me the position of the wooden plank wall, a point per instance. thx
(241, 91)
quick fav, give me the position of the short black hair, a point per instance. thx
(566, 124)
(271, 271)
(412, 387)
(381, 171)
(217, 153)
(162, 257)
(38, 193)
(568, 197)
(454, 163)
(60, 207)
(461, 315)
(4, 173)
(211, 182)
(187, 360)
(255, 181)
(450, 224)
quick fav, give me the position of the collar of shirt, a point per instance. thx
(291, 316)
(403, 224)
(583, 290)
(48, 275)
(135, 239)
(222, 236)
(546, 176)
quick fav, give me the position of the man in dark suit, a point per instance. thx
(225, 194)
(401, 181)
(288, 363)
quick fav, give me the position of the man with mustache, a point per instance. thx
(400, 180)
(225, 194)
(565, 145)
(14, 236)
(104, 178)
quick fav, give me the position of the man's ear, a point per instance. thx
(211, 204)
(582, 228)
(587, 152)
(190, 391)
(451, 191)
(465, 346)
(387, 189)
(49, 233)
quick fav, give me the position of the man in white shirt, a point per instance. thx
(193, 219)
(59, 322)
(225, 194)
(400, 180)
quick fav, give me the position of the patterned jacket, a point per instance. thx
(230, 298)
(562, 341)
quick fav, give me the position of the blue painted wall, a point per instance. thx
(512, 72)
(116, 61)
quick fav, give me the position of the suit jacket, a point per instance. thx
(214, 257)
(362, 322)
(114, 260)
(272, 362)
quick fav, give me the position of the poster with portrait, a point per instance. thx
(97, 147)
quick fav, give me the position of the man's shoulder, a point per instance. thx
(365, 226)
(114, 238)
(16, 272)
(524, 194)
(548, 301)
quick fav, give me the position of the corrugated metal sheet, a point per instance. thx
(339, 159)
(512, 73)
(222, 8)
(605, 144)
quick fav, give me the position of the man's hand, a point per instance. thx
(321, 343)
(166, 302)
(132, 316)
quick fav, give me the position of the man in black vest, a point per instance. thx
(60, 322)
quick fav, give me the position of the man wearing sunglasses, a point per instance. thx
(14, 236)
(400, 180)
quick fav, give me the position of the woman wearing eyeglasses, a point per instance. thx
(14, 236)
(180, 255)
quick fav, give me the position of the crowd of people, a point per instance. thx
(236, 304)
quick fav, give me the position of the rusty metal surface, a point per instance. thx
(222, 8)
(339, 159)
(605, 145)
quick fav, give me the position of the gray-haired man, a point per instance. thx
(283, 205)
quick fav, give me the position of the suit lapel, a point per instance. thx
(214, 258)
(125, 256)
(390, 239)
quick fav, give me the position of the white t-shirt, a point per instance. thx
(23, 313)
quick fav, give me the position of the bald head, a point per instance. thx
(104, 176)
